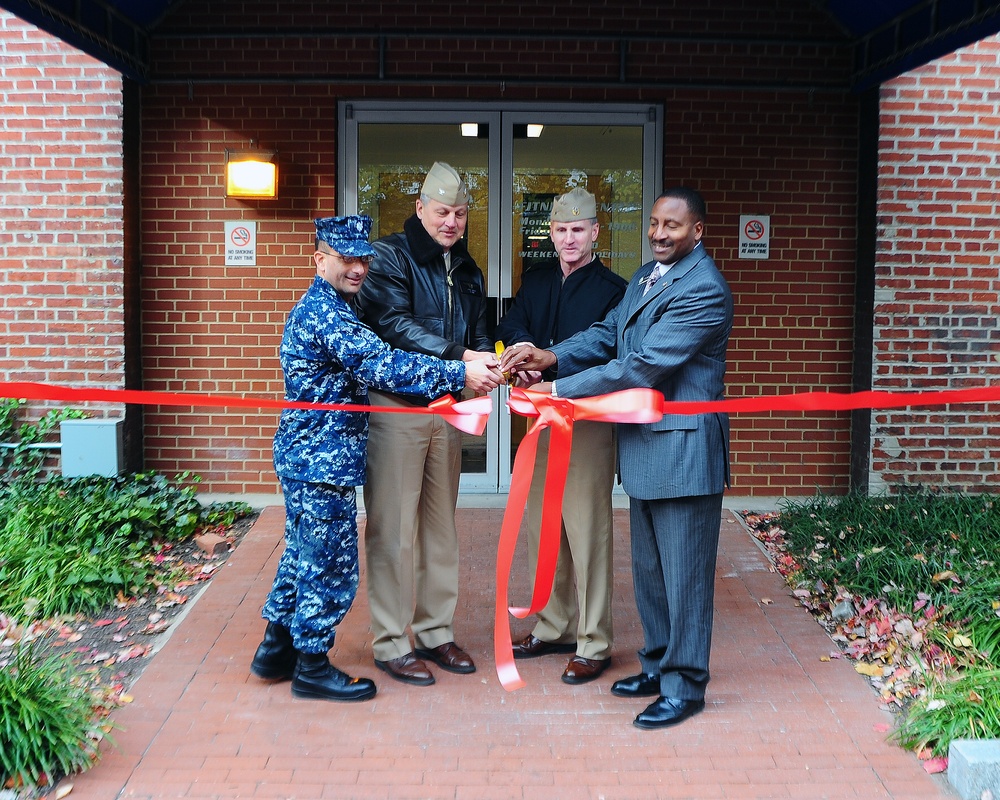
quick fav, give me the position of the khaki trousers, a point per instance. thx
(579, 609)
(411, 544)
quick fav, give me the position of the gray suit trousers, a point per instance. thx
(674, 546)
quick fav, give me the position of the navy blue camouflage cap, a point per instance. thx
(346, 235)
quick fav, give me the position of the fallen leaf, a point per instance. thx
(935, 765)
(133, 652)
(824, 658)
(766, 601)
(947, 575)
(872, 670)
(63, 790)
(882, 727)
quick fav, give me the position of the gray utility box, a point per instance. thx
(92, 447)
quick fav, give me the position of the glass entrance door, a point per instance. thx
(515, 159)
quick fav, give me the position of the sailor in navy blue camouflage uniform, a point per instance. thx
(329, 356)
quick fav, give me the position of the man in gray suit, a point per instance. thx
(669, 333)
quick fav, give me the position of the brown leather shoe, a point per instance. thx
(582, 670)
(449, 656)
(408, 669)
(530, 647)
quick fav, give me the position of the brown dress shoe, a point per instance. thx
(530, 647)
(408, 669)
(582, 670)
(449, 656)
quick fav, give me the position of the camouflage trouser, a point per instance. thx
(317, 575)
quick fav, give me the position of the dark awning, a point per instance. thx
(889, 37)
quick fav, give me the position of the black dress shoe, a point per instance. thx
(449, 656)
(530, 647)
(275, 657)
(642, 685)
(317, 679)
(667, 711)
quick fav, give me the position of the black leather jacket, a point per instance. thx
(411, 301)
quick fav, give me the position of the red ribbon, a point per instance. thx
(558, 415)
(469, 416)
(833, 401)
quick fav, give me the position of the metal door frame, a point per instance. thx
(501, 117)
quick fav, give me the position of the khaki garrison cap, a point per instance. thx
(444, 185)
(574, 205)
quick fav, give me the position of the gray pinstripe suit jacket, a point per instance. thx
(674, 340)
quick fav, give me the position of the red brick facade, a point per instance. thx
(751, 147)
(61, 239)
(937, 302)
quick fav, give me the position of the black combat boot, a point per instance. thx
(275, 656)
(316, 678)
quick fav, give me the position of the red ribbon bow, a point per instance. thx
(558, 414)
(469, 416)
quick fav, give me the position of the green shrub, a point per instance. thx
(20, 460)
(48, 726)
(72, 545)
(917, 551)
(937, 547)
(963, 707)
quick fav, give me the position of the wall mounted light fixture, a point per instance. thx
(251, 173)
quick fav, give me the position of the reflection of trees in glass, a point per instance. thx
(624, 225)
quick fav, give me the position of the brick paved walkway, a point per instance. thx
(779, 723)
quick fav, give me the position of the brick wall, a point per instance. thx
(209, 328)
(936, 304)
(750, 148)
(790, 154)
(61, 308)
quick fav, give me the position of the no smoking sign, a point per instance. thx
(241, 243)
(755, 236)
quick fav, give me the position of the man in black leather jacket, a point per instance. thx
(424, 294)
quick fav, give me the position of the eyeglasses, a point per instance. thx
(347, 261)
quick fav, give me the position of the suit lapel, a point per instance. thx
(676, 272)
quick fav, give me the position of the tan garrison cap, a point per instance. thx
(444, 185)
(574, 205)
